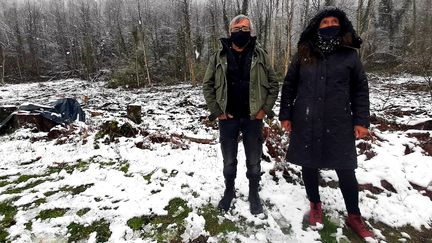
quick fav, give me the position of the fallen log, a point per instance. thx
(193, 139)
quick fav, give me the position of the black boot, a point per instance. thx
(228, 196)
(254, 199)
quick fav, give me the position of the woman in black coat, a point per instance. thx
(325, 106)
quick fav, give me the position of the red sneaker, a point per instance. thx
(356, 223)
(315, 215)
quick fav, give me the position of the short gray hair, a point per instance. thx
(239, 18)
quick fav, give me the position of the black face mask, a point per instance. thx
(240, 39)
(329, 33)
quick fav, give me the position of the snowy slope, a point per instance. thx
(157, 172)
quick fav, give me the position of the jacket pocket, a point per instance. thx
(262, 75)
(219, 75)
(219, 84)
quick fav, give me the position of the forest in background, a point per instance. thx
(145, 42)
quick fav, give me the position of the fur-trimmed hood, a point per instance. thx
(306, 44)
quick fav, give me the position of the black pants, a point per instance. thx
(252, 141)
(347, 183)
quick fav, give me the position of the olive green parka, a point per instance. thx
(263, 86)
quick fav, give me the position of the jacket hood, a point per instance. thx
(347, 32)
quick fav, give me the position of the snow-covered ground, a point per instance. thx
(136, 176)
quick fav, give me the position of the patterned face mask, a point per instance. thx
(328, 39)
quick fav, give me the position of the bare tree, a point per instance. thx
(225, 16)
(305, 14)
(153, 41)
(243, 9)
(245, 6)
(424, 50)
(185, 6)
(330, 3)
(142, 41)
(289, 9)
(3, 61)
(414, 24)
(214, 24)
(32, 25)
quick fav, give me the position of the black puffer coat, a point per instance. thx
(324, 97)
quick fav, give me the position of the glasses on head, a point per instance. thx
(244, 29)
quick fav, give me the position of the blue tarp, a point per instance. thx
(61, 111)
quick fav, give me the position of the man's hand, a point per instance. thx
(360, 132)
(260, 115)
(222, 116)
(286, 125)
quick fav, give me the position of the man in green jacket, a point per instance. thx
(240, 88)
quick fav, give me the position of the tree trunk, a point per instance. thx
(359, 16)
(145, 60)
(329, 3)
(414, 26)
(134, 113)
(245, 5)
(290, 13)
(305, 17)
(225, 17)
(136, 64)
(142, 40)
(3, 64)
(367, 29)
(189, 45)
(276, 33)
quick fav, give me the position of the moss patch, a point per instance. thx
(148, 176)
(28, 186)
(5, 177)
(29, 225)
(36, 203)
(112, 130)
(80, 232)
(80, 165)
(50, 193)
(124, 167)
(4, 183)
(24, 178)
(328, 233)
(76, 190)
(137, 223)
(52, 213)
(163, 228)
(83, 211)
(212, 224)
(9, 212)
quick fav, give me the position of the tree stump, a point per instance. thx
(134, 113)
(34, 119)
(5, 111)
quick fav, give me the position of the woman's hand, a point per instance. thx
(260, 115)
(360, 131)
(286, 125)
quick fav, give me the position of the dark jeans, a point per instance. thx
(347, 183)
(252, 141)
